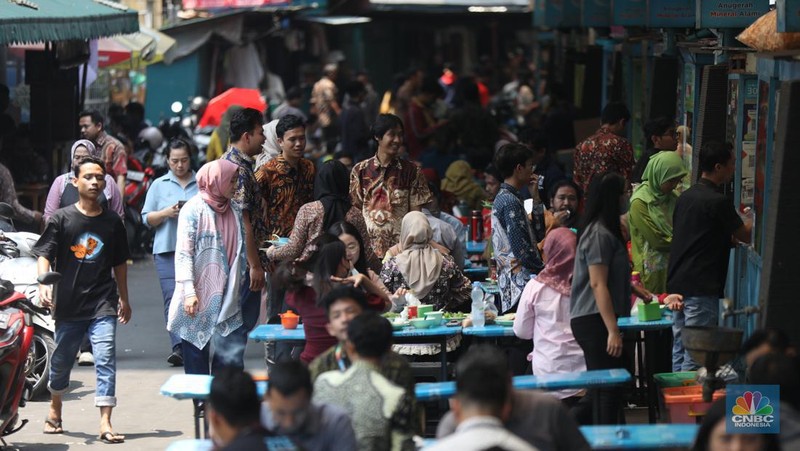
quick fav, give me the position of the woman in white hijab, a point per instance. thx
(434, 278)
(270, 148)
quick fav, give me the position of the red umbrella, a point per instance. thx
(247, 98)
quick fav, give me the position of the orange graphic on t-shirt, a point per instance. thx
(82, 251)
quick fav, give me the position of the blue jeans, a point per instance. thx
(697, 311)
(229, 351)
(69, 335)
(165, 267)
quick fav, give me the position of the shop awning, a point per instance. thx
(29, 21)
(135, 50)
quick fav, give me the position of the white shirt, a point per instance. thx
(479, 433)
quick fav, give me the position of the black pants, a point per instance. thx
(591, 334)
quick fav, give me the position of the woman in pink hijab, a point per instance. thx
(209, 269)
(543, 312)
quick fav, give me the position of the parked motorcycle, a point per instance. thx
(16, 337)
(18, 266)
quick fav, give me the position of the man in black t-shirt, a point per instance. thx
(704, 226)
(84, 243)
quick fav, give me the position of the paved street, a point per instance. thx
(148, 420)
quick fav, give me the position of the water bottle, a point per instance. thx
(478, 307)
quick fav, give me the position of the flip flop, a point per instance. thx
(55, 424)
(111, 438)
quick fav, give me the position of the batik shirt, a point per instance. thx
(114, 155)
(384, 194)
(248, 193)
(602, 152)
(380, 410)
(284, 190)
(514, 245)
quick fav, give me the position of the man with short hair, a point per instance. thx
(84, 243)
(605, 151)
(233, 412)
(481, 403)
(512, 235)
(386, 187)
(286, 183)
(705, 224)
(661, 135)
(343, 304)
(112, 151)
(380, 410)
(288, 411)
(247, 136)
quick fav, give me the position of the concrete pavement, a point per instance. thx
(148, 420)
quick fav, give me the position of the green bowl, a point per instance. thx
(438, 316)
(504, 322)
(422, 310)
(420, 323)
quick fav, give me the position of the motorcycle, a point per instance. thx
(18, 266)
(140, 237)
(16, 338)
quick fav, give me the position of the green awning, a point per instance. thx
(28, 21)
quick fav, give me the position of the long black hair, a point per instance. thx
(343, 227)
(327, 259)
(603, 205)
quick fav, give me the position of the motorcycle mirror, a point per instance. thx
(49, 278)
(6, 211)
(176, 107)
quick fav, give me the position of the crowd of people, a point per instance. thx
(372, 223)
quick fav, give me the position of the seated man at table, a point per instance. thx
(533, 416)
(343, 304)
(381, 411)
(287, 410)
(233, 412)
(480, 404)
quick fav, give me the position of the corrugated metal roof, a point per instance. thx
(27, 21)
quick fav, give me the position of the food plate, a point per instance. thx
(454, 316)
(397, 325)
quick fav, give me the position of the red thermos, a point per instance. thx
(476, 224)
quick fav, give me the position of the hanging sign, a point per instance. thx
(596, 13)
(629, 12)
(788, 15)
(728, 13)
(671, 14)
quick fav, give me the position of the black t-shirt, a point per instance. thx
(703, 223)
(84, 250)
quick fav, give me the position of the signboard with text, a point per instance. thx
(671, 14)
(629, 12)
(729, 14)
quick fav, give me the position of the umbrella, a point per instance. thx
(247, 98)
(134, 50)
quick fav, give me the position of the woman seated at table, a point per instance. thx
(429, 275)
(357, 257)
(332, 206)
(209, 268)
(543, 314)
(328, 267)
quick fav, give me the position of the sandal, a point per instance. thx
(111, 438)
(55, 425)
